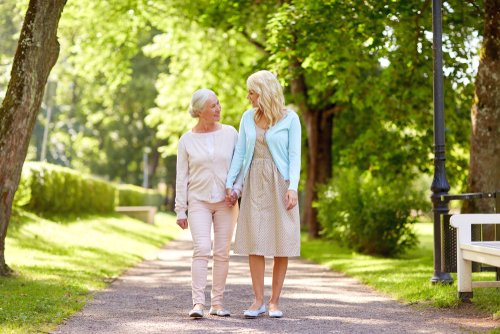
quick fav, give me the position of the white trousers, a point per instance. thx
(201, 217)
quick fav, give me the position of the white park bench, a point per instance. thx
(486, 252)
(144, 213)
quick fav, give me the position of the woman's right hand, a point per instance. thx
(183, 223)
(231, 197)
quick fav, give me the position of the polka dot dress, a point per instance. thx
(265, 227)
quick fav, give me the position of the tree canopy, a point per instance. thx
(127, 70)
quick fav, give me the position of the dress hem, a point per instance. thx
(260, 254)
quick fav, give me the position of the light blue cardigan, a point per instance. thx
(283, 140)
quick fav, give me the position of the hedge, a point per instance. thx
(130, 195)
(47, 188)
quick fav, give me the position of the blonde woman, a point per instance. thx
(203, 159)
(268, 155)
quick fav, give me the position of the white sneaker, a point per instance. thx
(196, 313)
(220, 312)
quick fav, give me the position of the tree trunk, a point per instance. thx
(36, 54)
(484, 169)
(319, 127)
(153, 165)
(155, 160)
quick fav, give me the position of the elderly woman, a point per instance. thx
(203, 160)
(268, 155)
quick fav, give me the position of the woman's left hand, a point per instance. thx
(291, 198)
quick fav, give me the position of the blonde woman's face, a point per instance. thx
(211, 111)
(253, 97)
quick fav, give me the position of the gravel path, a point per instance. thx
(155, 297)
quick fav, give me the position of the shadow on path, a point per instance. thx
(155, 297)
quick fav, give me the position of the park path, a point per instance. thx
(155, 296)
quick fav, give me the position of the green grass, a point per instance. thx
(407, 278)
(60, 261)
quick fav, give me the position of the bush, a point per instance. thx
(46, 188)
(130, 195)
(369, 215)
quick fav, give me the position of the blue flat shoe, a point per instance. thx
(275, 314)
(252, 314)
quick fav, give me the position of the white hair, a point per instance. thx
(198, 101)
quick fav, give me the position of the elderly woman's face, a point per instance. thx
(253, 97)
(211, 110)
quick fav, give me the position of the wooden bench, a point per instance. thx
(144, 213)
(486, 252)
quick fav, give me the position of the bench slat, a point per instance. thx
(477, 255)
(486, 284)
(483, 247)
(489, 244)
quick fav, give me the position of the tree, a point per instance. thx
(37, 53)
(195, 60)
(358, 110)
(484, 170)
(323, 77)
(265, 29)
(328, 56)
(105, 87)
(9, 30)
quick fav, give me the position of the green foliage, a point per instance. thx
(373, 60)
(23, 194)
(46, 188)
(335, 72)
(61, 264)
(406, 278)
(11, 20)
(105, 86)
(130, 195)
(196, 61)
(127, 70)
(368, 214)
(402, 96)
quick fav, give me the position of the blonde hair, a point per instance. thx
(198, 101)
(271, 101)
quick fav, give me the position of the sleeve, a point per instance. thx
(294, 147)
(181, 181)
(238, 157)
(238, 185)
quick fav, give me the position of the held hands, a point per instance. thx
(231, 197)
(291, 199)
(183, 223)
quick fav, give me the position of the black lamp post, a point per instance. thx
(440, 186)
